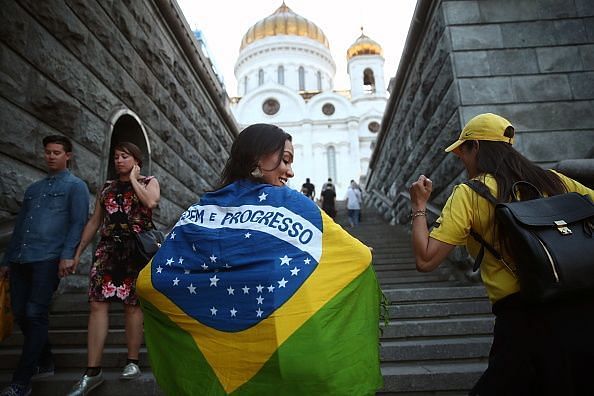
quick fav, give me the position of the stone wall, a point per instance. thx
(68, 66)
(532, 62)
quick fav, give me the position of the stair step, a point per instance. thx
(394, 279)
(66, 358)
(476, 325)
(62, 382)
(405, 272)
(435, 293)
(80, 320)
(439, 309)
(77, 303)
(72, 337)
(392, 266)
(431, 377)
(435, 349)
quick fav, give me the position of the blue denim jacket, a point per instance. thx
(50, 223)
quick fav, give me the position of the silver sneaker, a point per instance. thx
(86, 385)
(131, 371)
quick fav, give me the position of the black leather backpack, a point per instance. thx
(550, 240)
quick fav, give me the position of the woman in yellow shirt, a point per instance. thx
(537, 349)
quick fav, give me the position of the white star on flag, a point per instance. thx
(227, 266)
(285, 260)
(248, 235)
(172, 235)
(259, 313)
(295, 271)
(192, 289)
(270, 289)
(231, 290)
(263, 196)
(213, 281)
(169, 261)
(193, 247)
(213, 311)
(260, 300)
(204, 266)
(259, 288)
(181, 260)
(213, 258)
(307, 261)
(175, 281)
(159, 269)
(186, 272)
(282, 283)
(233, 311)
(246, 290)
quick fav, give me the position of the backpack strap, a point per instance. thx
(481, 189)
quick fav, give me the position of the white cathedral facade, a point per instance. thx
(285, 77)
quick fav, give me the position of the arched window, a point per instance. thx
(301, 78)
(281, 75)
(331, 154)
(128, 128)
(319, 75)
(260, 77)
(368, 81)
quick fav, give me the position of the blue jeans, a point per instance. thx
(31, 288)
(354, 216)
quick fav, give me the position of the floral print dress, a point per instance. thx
(117, 262)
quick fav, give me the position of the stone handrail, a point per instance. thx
(581, 170)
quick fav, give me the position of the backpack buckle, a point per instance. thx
(562, 227)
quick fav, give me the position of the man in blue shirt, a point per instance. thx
(41, 251)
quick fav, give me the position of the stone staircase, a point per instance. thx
(436, 341)
(68, 335)
(439, 332)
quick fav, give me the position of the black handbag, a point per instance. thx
(148, 242)
(551, 242)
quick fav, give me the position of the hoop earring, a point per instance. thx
(257, 173)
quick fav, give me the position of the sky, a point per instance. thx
(224, 22)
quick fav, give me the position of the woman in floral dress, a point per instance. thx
(123, 208)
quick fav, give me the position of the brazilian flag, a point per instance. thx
(256, 291)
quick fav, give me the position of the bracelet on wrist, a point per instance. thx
(418, 213)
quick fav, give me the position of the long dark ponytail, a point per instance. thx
(508, 166)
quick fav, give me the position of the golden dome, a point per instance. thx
(364, 46)
(283, 21)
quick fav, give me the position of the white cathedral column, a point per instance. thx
(355, 155)
(320, 167)
(343, 169)
(308, 156)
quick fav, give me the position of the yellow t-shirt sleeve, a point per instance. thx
(574, 186)
(453, 226)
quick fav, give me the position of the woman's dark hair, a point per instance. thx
(58, 139)
(252, 143)
(508, 166)
(130, 148)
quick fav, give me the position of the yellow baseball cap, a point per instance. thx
(487, 126)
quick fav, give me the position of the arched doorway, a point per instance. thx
(125, 126)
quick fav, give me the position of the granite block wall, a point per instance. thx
(67, 66)
(530, 61)
(71, 67)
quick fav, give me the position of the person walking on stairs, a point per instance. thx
(40, 252)
(538, 349)
(123, 207)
